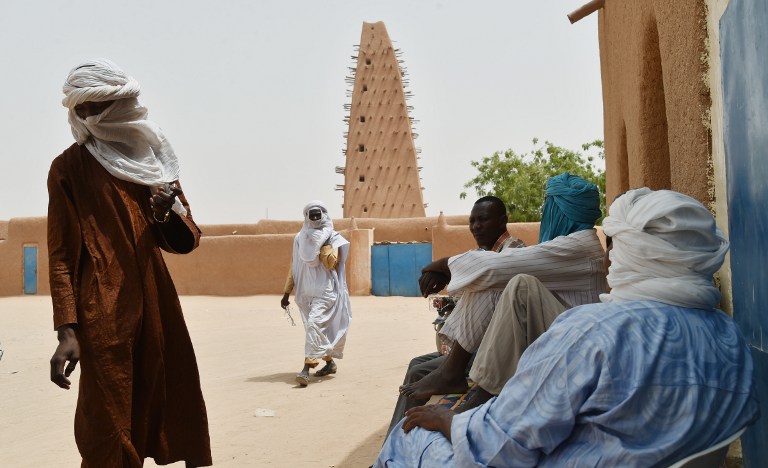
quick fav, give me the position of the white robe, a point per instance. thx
(323, 300)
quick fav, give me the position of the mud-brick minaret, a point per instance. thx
(381, 176)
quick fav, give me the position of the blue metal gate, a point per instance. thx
(395, 268)
(30, 269)
(744, 48)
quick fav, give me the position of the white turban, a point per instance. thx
(98, 81)
(125, 143)
(666, 248)
(314, 233)
(315, 204)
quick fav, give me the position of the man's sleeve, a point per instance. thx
(329, 256)
(550, 262)
(289, 282)
(64, 245)
(537, 409)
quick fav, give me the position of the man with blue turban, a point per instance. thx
(564, 270)
(572, 205)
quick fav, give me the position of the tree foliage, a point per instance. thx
(520, 179)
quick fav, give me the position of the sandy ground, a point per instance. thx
(248, 356)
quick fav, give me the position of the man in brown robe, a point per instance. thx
(114, 203)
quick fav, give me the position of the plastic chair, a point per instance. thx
(709, 458)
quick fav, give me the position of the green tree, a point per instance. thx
(520, 179)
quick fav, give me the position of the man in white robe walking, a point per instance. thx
(318, 277)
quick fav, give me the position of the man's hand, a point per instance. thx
(284, 302)
(432, 283)
(434, 277)
(431, 418)
(67, 350)
(163, 200)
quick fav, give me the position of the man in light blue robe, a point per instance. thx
(649, 376)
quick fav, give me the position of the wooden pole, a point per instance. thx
(585, 10)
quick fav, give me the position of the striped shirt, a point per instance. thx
(572, 268)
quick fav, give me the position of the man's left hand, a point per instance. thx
(431, 418)
(163, 200)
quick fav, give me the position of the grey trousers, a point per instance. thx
(418, 368)
(524, 312)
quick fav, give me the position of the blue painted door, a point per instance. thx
(380, 270)
(396, 268)
(30, 269)
(743, 49)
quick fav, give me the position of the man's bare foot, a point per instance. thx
(435, 383)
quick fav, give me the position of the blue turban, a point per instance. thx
(572, 205)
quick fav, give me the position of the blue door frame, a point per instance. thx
(743, 50)
(30, 269)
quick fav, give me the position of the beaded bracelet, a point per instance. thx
(165, 219)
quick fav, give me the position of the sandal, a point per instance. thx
(302, 378)
(329, 368)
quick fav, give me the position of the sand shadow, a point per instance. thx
(365, 453)
(287, 378)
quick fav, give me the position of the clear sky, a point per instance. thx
(251, 93)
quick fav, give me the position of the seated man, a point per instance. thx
(564, 270)
(653, 374)
(488, 224)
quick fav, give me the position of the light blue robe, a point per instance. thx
(636, 383)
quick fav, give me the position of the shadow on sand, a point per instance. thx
(365, 454)
(287, 378)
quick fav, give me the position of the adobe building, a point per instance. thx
(381, 175)
(685, 100)
(248, 259)
(656, 99)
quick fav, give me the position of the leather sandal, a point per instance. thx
(302, 379)
(329, 368)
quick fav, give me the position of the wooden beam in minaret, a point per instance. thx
(381, 173)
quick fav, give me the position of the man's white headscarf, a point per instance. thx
(666, 248)
(314, 233)
(125, 143)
